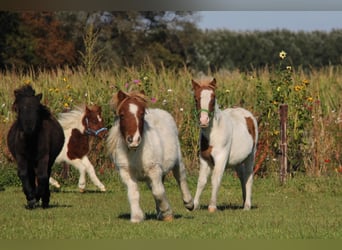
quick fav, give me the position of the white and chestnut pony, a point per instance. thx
(78, 124)
(227, 137)
(144, 145)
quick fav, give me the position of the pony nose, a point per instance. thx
(133, 141)
(204, 120)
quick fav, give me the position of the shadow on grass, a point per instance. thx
(51, 206)
(227, 207)
(153, 216)
(76, 191)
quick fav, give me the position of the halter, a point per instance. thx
(90, 131)
(210, 114)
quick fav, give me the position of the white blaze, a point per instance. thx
(134, 109)
(205, 100)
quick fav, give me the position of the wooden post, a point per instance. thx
(283, 143)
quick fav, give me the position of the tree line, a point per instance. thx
(165, 38)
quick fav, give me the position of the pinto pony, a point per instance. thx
(227, 137)
(77, 125)
(144, 145)
(35, 139)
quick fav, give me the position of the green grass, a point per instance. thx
(303, 208)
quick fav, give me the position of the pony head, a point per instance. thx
(27, 106)
(204, 94)
(130, 108)
(93, 121)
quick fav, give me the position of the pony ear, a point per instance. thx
(39, 96)
(195, 85)
(121, 96)
(213, 83)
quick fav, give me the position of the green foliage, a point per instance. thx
(171, 38)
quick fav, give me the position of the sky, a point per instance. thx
(268, 20)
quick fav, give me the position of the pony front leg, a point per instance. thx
(202, 181)
(137, 214)
(216, 179)
(28, 183)
(43, 175)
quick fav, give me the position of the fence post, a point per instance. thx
(283, 143)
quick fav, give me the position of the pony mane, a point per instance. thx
(140, 97)
(24, 91)
(28, 91)
(72, 118)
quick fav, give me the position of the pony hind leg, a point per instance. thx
(245, 174)
(164, 211)
(90, 170)
(180, 176)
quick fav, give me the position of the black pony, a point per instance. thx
(35, 140)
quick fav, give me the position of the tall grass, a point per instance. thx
(64, 88)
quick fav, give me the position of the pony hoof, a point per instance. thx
(31, 204)
(189, 205)
(103, 189)
(168, 218)
(212, 209)
(82, 190)
(45, 205)
(137, 219)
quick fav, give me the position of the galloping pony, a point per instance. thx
(227, 137)
(144, 145)
(78, 124)
(35, 140)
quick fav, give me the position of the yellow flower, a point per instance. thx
(298, 88)
(282, 54)
(310, 99)
(288, 68)
(276, 132)
(66, 105)
(278, 89)
(305, 82)
(64, 79)
(227, 91)
(27, 81)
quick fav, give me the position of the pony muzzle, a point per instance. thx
(133, 142)
(204, 119)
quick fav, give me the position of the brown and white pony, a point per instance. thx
(227, 137)
(144, 146)
(78, 124)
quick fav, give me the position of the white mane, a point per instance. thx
(73, 118)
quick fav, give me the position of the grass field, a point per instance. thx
(304, 208)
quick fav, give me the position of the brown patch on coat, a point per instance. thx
(78, 145)
(206, 149)
(251, 127)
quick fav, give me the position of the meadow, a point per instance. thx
(307, 206)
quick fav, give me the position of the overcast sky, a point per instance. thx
(267, 20)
